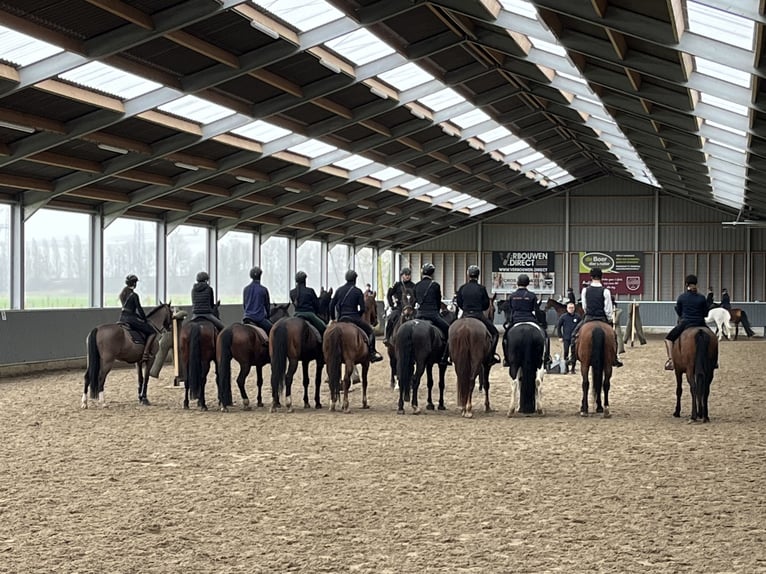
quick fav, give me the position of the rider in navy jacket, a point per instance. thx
(691, 308)
(257, 302)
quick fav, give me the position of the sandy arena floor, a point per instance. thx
(157, 489)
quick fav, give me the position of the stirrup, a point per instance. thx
(375, 357)
(617, 362)
(669, 365)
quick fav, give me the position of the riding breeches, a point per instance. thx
(264, 324)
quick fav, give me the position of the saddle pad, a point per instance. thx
(136, 336)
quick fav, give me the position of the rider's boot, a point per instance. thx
(148, 347)
(669, 349)
(445, 356)
(547, 357)
(374, 355)
(495, 357)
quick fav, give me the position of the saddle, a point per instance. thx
(345, 320)
(423, 320)
(136, 336)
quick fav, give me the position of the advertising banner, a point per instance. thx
(623, 271)
(538, 265)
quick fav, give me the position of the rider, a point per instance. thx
(348, 304)
(691, 308)
(395, 298)
(725, 299)
(428, 297)
(710, 298)
(473, 299)
(306, 302)
(597, 303)
(256, 301)
(203, 301)
(133, 314)
(571, 296)
(523, 304)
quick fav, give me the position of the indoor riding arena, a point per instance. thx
(167, 165)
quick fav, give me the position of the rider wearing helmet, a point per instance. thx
(256, 301)
(597, 304)
(133, 314)
(347, 304)
(524, 309)
(203, 301)
(395, 298)
(306, 302)
(472, 298)
(428, 295)
(691, 308)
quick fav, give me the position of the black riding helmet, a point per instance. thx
(523, 280)
(596, 273)
(473, 272)
(300, 277)
(428, 269)
(255, 272)
(406, 271)
(202, 276)
(131, 280)
(351, 276)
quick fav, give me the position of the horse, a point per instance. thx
(561, 308)
(399, 316)
(249, 346)
(419, 345)
(112, 342)
(739, 316)
(197, 344)
(370, 314)
(721, 318)
(345, 344)
(471, 348)
(525, 349)
(596, 350)
(291, 340)
(695, 353)
(504, 307)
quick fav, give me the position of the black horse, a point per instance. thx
(525, 349)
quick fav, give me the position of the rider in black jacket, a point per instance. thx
(203, 301)
(395, 296)
(428, 295)
(347, 304)
(472, 298)
(133, 314)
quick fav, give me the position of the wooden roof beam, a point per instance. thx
(125, 12)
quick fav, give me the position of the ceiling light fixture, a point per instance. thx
(378, 92)
(331, 199)
(188, 166)
(392, 212)
(330, 65)
(363, 206)
(292, 189)
(418, 114)
(17, 127)
(265, 29)
(115, 149)
(245, 179)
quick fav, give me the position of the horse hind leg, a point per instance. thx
(244, 371)
(607, 384)
(585, 390)
(513, 407)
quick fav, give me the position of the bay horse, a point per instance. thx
(596, 351)
(419, 345)
(249, 346)
(293, 340)
(112, 342)
(525, 349)
(345, 345)
(695, 354)
(739, 316)
(561, 308)
(722, 320)
(399, 316)
(370, 314)
(197, 349)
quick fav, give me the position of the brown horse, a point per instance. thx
(197, 345)
(739, 316)
(370, 314)
(561, 308)
(345, 344)
(249, 346)
(294, 340)
(596, 350)
(399, 316)
(695, 353)
(470, 346)
(112, 342)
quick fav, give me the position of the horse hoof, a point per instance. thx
(441, 407)
(247, 408)
(510, 414)
(203, 408)
(468, 415)
(429, 407)
(365, 406)
(607, 414)
(290, 409)
(599, 409)
(318, 406)
(540, 412)
(416, 410)
(400, 411)
(583, 413)
(186, 407)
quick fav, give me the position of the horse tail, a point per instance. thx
(194, 367)
(597, 358)
(224, 368)
(94, 365)
(278, 350)
(464, 367)
(746, 323)
(702, 370)
(333, 341)
(532, 354)
(405, 360)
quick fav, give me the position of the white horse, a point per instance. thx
(722, 320)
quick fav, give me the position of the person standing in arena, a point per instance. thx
(565, 327)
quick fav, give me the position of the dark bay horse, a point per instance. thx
(695, 353)
(197, 349)
(345, 345)
(596, 351)
(419, 345)
(293, 340)
(561, 308)
(525, 349)
(112, 342)
(470, 347)
(739, 316)
(399, 316)
(249, 346)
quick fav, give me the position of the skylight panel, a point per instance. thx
(196, 109)
(731, 129)
(719, 25)
(495, 134)
(547, 46)
(468, 119)
(514, 147)
(303, 14)
(521, 7)
(530, 158)
(110, 80)
(721, 72)
(442, 99)
(436, 193)
(405, 77)
(414, 183)
(477, 203)
(312, 148)
(360, 47)
(571, 77)
(22, 50)
(387, 173)
(261, 131)
(353, 162)
(723, 104)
